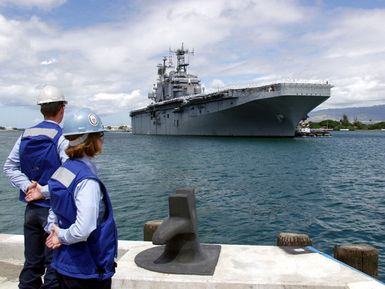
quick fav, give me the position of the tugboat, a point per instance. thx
(181, 107)
(304, 130)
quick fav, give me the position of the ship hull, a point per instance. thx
(241, 112)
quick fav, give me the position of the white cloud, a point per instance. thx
(216, 84)
(111, 66)
(352, 53)
(355, 34)
(108, 103)
(48, 61)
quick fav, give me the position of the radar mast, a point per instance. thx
(180, 55)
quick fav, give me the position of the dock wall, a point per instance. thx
(239, 267)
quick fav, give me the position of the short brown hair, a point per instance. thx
(87, 148)
(52, 108)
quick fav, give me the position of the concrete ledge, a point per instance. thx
(11, 260)
(249, 267)
(239, 267)
(12, 247)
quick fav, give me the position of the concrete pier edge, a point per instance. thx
(239, 267)
(342, 263)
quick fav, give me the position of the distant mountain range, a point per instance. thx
(364, 114)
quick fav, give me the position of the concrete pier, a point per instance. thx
(239, 267)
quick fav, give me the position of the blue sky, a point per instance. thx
(103, 54)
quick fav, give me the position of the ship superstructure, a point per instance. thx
(175, 83)
(180, 106)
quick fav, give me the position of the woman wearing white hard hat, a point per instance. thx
(36, 155)
(81, 224)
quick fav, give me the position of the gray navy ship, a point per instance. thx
(181, 107)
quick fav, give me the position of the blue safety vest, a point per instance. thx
(94, 258)
(39, 157)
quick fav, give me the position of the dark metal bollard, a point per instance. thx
(293, 240)
(149, 229)
(179, 250)
(360, 256)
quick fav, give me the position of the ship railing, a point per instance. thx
(258, 84)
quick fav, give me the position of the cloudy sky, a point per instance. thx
(103, 54)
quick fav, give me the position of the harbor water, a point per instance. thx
(248, 189)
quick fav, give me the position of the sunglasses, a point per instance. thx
(101, 135)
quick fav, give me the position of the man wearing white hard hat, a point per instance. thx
(37, 154)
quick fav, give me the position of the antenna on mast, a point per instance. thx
(180, 55)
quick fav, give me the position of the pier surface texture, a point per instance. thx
(239, 266)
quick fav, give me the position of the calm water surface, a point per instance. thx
(248, 189)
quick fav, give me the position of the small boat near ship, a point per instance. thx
(306, 131)
(181, 107)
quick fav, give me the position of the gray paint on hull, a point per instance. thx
(261, 116)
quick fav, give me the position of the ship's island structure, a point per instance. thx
(180, 106)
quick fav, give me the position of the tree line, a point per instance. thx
(344, 123)
(4, 128)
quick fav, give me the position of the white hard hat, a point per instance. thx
(49, 94)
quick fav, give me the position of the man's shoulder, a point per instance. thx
(48, 129)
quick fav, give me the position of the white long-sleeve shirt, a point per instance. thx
(12, 165)
(90, 210)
